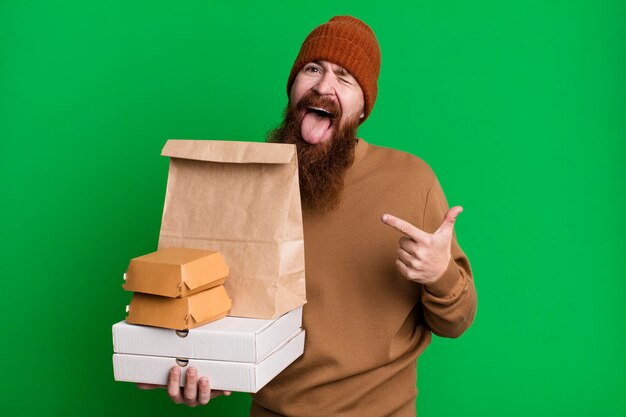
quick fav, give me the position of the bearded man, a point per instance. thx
(376, 290)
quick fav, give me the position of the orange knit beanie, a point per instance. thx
(349, 43)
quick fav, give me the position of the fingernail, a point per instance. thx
(175, 370)
(204, 381)
(191, 372)
(384, 217)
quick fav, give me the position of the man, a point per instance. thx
(375, 290)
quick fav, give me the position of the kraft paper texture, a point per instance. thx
(243, 200)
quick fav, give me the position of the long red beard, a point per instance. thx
(321, 167)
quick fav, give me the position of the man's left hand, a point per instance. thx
(423, 257)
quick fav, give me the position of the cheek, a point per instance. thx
(298, 89)
(352, 106)
(293, 93)
(360, 102)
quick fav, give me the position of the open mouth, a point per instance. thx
(321, 112)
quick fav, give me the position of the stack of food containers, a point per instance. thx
(178, 289)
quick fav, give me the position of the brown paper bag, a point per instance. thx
(243, 200)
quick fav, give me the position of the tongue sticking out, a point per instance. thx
(315, 128)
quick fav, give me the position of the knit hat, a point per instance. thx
(349, 43)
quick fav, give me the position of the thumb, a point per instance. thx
(449, 219)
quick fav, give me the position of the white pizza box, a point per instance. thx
(223, 375)
(235, 339)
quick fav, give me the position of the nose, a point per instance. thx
(325, 85)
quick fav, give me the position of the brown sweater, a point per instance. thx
(366, 324)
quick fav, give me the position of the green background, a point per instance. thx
(519, 107)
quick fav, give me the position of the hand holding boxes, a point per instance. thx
(178, 289)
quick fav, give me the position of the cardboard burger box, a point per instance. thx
(177, 288)
(176, 272)
(179, 313)
(237, 354)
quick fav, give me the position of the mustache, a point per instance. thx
(312, 99)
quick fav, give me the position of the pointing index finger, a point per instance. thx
(403, 226)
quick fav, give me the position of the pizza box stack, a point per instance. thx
(177, 316)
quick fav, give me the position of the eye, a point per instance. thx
(313, 69)
(346, 81)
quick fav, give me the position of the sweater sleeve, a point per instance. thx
(449, 304)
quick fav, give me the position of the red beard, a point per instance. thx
(321, 167)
